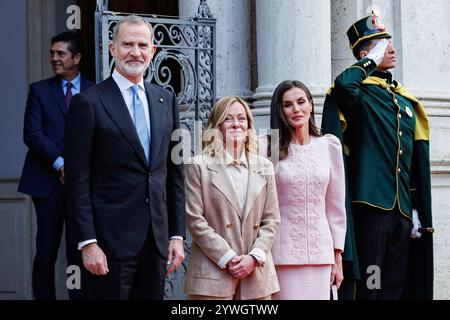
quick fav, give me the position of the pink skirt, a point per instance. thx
(303, 282)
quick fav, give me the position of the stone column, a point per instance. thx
(425, 47)
(233, 68)
(40, 30)
(425, 61)
(343, 14)
(293, 40)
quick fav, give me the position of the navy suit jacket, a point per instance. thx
(43, 133)
(113, 194)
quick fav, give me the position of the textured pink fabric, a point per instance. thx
(311, 196)
(303, 282)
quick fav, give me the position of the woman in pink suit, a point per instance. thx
(311, 191)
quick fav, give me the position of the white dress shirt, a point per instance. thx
(125, 88)
(237, 171)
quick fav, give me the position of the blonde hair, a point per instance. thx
(213, 142)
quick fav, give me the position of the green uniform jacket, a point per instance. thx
(385, 135)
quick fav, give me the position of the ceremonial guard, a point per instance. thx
(385, 135)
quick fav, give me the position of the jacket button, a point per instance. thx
(395, 100)
(401, 152)
(228, 225)
(399, 170)
(161, 100)
(399, 116)
(256, 226)
(400, 133)
(147, 200)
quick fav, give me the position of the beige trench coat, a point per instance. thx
(217, 224)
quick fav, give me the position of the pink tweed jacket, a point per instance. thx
(311, 195)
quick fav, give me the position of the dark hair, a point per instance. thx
(363, 45)
(72, 38)
(278, 120)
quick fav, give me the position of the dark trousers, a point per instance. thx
(51, 215)
(382, 240)
(139, 278)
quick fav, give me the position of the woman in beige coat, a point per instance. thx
(232, 211)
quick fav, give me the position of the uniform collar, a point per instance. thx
(386, 76)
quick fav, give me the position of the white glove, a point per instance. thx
(377, 52)
(415, 234)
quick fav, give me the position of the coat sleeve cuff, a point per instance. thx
(59, 162)
(225, 258)
(85, 243)
(259, 255)
(367, 65)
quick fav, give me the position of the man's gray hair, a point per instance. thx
(134, 19)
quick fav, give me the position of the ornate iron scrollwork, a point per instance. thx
(203, 10)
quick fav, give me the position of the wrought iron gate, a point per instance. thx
(185, 60)
(184, 63)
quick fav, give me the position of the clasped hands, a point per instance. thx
(242, 266)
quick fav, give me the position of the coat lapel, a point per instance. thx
(58, 94)
(158, 121)
(255, 183)
(117, 109)
(222, 182)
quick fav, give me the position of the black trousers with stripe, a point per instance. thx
(382, 240)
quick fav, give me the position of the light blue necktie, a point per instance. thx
(139, 122)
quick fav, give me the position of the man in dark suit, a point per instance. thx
(43, 171)
(119, 175)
